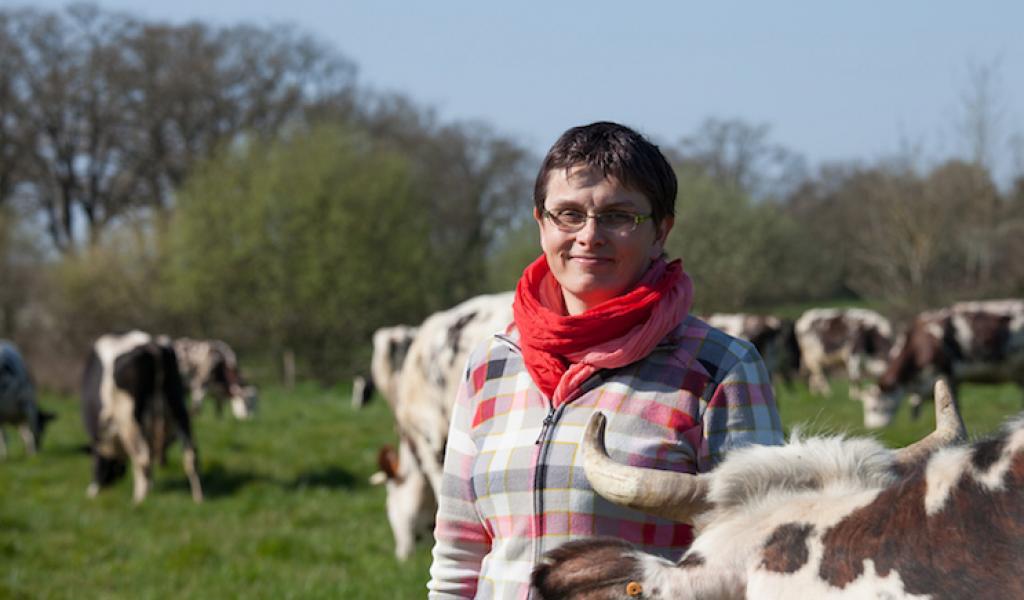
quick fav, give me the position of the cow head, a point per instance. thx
(244, 401)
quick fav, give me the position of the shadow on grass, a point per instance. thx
(65, 448)
(217, 481)
(328, 477)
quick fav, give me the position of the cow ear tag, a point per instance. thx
(634, 589)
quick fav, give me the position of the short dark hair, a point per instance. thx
(616, 151)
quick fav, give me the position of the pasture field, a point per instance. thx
(288, 510)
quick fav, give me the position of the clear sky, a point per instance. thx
(850, 80)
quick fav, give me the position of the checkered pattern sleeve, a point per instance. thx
(461, 541)
(741, 410)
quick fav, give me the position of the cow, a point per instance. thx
(774, 338)
(821, 517)
(390, 345)
(133, 405)
(210, 366)
(980, 342)
(424, 396)
(857, 340)
(411, 504)
(18, 405)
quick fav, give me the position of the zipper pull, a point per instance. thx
(550, 418)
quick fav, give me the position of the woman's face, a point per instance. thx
(593, 265)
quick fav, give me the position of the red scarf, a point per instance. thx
(562, 351)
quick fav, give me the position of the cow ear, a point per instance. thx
(387, 459)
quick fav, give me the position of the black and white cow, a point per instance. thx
(133, 407)
(774, 338)
(210, 366)
(825, 517)
(424, 396)
(981, 342)
(855, 340)
(18, 405)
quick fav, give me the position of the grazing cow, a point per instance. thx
(18, 401)
(980, 342)
(390, 345)
(211, 366)
(829, 517)
(426, 387)
(411, 504)
(774, 338)
(854, 339)
(133, 403)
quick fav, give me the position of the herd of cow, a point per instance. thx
(133, 402)
(799, 517)
(417, 370)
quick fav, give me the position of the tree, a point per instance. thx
(739, 253)
(739, 156)
(309, 243)
(109, 113)
(476, 182)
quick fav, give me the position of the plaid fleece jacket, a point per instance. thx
(514, 486)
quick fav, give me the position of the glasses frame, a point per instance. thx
(566, 228)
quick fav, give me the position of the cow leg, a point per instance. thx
(28, 438)
(3, 443)
(817, 382)
(134, 442)
(97, 476)
(197, 399)
(190, 461)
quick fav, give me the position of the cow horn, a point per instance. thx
(949, 427)
(676, 496)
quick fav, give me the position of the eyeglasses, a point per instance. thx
(613, 221)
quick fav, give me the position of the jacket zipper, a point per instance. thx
(541, 472)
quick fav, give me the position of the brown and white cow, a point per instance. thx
(211, 366)
(18, 405)
(823, 517)
(774, 338)
(856, 340)
(424, 396)
(133, 406)
(980, 342)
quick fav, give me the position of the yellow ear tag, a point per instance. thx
(634, 589)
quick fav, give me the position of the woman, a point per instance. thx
(601, 322)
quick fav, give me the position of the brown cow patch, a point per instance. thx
(969, 549)
(786, 550)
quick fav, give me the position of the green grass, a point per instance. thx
(983, 408)
(288, 510)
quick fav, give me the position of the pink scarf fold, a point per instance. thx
(562, 351)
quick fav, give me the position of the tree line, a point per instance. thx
(238, 182)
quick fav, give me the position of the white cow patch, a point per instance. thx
(949, 465)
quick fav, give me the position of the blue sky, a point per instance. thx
(852, 80)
